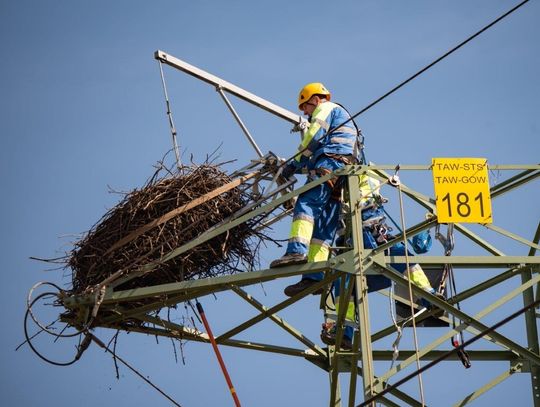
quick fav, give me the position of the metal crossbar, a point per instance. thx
(360, 263)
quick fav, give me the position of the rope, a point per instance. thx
(395, 181)
(402, 214)
(169, 115)
(399, 329)
(448, 244)
(81, 348)
(29, 305)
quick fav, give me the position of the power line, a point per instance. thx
(420, 72)
(431, 64)
(116, 357)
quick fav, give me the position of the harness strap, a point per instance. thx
(334, 182)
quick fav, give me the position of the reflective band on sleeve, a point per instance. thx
(313, 129)
(348, 130)
(310, 149)
(318, 121)
(342, 140)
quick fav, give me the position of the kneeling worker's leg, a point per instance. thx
(329, 331)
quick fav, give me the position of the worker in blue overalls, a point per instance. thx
(330, 142)
(316, 212)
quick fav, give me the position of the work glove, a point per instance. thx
(288, 171)
(290, 203)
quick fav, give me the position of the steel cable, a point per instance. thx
(421, 71)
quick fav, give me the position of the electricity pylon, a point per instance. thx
(135, 310)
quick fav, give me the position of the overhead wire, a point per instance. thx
(421, 71)
(29, 338)
(92, 337)
(414, 76)
(351, 118)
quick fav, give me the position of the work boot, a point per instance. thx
(328, 337)
(300, 286)
(438, 312)
(289, 259)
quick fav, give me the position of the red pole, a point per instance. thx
(218, 355)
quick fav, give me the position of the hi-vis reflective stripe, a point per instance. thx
(322, 123)
(319, 242)
(369, 188)
(349, 316)
(298, 239)
(310, 149)
(303, 216)
(307, 153)
(301, 231)
(342, 140)
(419, 278)
(318, 252)
(348, 130)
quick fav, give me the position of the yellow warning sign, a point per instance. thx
(462, 190)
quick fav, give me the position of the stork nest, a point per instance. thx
(92, 261)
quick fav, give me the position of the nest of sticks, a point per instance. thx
(92, 261)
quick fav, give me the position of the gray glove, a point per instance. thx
(288, 171)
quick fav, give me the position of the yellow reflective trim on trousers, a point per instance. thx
(349, 315)
(302, 228)
(296, 239)
(303, 216)
(318, 252)
(419, 278)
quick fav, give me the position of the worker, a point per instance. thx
(375, 232)
(329, 144)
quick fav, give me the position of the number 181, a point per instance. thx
(463, 207)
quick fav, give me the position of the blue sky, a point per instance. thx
(82, 109)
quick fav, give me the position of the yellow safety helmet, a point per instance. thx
(314, 88)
